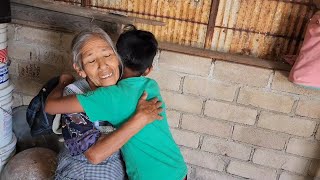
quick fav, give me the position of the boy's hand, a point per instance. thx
(66, 79)
(148, 111)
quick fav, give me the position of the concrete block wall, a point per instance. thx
(231, 121)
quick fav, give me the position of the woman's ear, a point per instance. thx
(80, 72)
(147, 71)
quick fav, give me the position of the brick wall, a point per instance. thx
(232, 121)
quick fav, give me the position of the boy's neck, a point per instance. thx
(128, 73)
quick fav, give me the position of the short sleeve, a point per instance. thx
(94, 104)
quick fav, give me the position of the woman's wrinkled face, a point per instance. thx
(99, 62)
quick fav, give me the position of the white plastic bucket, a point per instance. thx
(6, 101)
(4, 76)
(3, 32)
(7, 152)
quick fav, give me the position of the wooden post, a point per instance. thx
(212, 22)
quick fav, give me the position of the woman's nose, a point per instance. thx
(103, 64)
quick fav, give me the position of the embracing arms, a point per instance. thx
(56, 103)
(146, 112)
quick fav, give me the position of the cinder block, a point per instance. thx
(227, 148)
(35, 35)
(185, 63)
(13, 68)
(26, 99)
(203, 159)
(173, 118)
(318, 134)
(26, 86)
(251, 171)
(230, 112)
(203, 174)
(55, 57)
(304, 148)
(314, 169)
(266, 100)
(282, 123)
(287, 176)
(210, 89)
(66, 40)
(280, 160)
(167, 80)
(17, 100)
(18, 51)
(242, 74)
(281, 83)
(309, 108)
(38, 71)
(185, 138)
(207, 126)
(182, 102)
(259, 137)
(11, 31)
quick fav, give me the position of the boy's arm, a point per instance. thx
(56, 103)
(147, 112)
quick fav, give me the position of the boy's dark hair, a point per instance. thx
(137, 49)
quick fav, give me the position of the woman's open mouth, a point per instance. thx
(106, 75)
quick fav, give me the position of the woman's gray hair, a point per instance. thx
(79, 40)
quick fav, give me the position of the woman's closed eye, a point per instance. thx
(92, 61)
(107, 55)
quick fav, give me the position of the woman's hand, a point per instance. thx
(148, 111)
(66, 79)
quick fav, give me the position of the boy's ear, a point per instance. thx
(80, 72)
(147, 71)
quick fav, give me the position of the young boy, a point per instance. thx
(152, 153)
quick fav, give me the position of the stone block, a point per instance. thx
(230, 112)
(203, 159)
(167, 80)
(173, 118)
(304, 148)
(314, 169)
(40, 36)
(185, 63)
(18, 51)
(287, 176)
(182, 102)
(286, 124)
(251, 171)
(259, 137)
(207, 126)
(242, 74)
(227, 148)
(185, 138)
(210, 89)
(280, 160)
(204, 174)
(281, 83)
(266, 100)
(309, 108)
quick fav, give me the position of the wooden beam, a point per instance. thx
(34, 16)
(211, 23)
(85, 12)
(241, 59)
(85, 3)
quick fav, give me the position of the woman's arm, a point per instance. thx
(56, 103)
(147, 112)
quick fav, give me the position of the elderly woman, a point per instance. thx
(88, 154)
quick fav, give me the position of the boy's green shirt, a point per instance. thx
(152, 153)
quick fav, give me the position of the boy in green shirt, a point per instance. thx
(152, 153)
